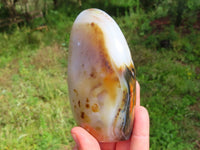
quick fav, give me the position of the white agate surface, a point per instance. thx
(101, 77)
(115, 41)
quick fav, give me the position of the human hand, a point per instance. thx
(139, 139)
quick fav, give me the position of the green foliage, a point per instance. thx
(42, 95)
(3, 10)
(168, 91)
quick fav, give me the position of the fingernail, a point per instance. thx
(76, 140)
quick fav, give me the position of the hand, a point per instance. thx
(139, 139)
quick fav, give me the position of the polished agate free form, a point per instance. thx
(101, 77)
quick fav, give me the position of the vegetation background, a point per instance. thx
(164, 38)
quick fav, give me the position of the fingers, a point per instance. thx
(140, 135)
(137, 94)
(75, 147)
(108, 146)
(84, 140)
(123, 145)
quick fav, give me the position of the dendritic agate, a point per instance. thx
(101, 77)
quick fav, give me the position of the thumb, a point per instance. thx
(84, 140)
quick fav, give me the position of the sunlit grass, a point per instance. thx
(35, 112)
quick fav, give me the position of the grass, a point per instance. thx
(34, 90)
(35, 111)
(168, 92)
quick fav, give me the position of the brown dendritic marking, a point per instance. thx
(79, 103)
(93, 74)
(95, 108)
(101, 49)
(106, 64)
(92, 24)
(117, 115)
(85, 117)
(82, 115)
(87, 105)
(124, 97)
(75, 91)
(118, 111)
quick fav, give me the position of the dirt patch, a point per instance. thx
(7, 73)
(48, 56)
(160, 24)
(197, 23)
(197, 70)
